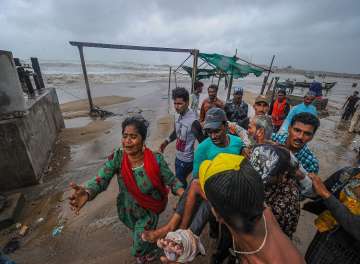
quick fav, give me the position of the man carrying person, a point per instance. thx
(235, 191)
(217, 142)
(187, 129)
(305, 106)
(279, 109)
(195, 96)
(211, 101)
(237, 110)
(349, 106)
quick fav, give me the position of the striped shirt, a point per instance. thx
(304, 155)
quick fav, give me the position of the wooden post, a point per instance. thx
(28, 83)
(169, 90)
(36, 67)
(275, 86)
(270, 85)
(267, 76)
(17, 62)
(230, 86)
(83, 66)
(194, 70)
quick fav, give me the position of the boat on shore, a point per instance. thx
(309, 75)
(326, 86)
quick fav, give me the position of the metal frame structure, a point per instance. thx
(81, 45)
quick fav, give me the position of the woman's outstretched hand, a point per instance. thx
(319, 186)
(79, 198)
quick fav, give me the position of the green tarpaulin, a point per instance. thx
(201, 73)
(229, 65)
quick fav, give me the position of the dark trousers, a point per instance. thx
(348, 112)
(182, 170)
(202, 213)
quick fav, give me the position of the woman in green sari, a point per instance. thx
(142, 177)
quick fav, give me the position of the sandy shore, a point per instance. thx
(96, 235)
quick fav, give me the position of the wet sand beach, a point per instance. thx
(97, 235)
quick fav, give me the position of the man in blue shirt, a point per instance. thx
(301, 131)
(218, 141)
(306, 106)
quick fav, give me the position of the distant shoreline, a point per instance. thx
(316, 73)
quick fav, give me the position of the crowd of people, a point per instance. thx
(244, 170)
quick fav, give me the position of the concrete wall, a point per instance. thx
(26, 142)
(11, 95)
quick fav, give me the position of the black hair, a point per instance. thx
(213, 86)
(180, 92)
(307, 119)
(283, 91)
(198, 84)
(139, 122)
(237, 196)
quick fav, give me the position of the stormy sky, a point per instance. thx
(317, 34)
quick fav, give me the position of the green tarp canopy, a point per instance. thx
(201, 73)
(223, 64)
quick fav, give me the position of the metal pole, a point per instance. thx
(130, 47)
(267, 76)
(219, 80)
(169, 90)
(230, 85)
(194, 70)
(86, 78)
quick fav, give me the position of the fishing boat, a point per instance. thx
(325, 85)
(309, 75)
(320, 103)
(303, 84)
(328, 85)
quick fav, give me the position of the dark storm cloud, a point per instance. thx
(320, 34)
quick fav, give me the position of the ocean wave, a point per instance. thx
(66, 79)
(102, 68)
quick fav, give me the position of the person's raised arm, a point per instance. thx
(196, 129)
(349, 221)
(97, 184)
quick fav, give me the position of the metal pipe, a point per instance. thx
(169, 90)
(130, 47)
(267, 77)
(253, 64)
(83, 66)
(194, 70)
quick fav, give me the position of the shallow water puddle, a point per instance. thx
(77, 122)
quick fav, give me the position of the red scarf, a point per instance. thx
(152, 170)
(278, 113)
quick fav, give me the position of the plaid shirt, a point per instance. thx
(304, 155)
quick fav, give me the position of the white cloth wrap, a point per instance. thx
(190, 242)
